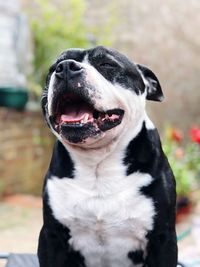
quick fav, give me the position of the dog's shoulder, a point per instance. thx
(144, 154)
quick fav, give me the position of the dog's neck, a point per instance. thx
(66, 157)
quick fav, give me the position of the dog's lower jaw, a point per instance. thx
(120, 135)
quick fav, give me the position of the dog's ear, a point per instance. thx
(154, 90)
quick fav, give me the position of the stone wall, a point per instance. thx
(25, 150)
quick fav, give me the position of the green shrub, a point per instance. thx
(56, 26)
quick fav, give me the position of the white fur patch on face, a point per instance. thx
(110, 95)
(107, 215)
(50, 93)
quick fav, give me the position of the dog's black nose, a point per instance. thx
(68, 69)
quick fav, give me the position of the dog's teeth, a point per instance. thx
(85, 119)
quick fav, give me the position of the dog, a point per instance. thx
(109, 195)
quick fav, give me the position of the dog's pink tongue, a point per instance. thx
(76, 114)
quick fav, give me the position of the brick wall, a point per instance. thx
(25, 151)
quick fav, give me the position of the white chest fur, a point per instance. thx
(107, 216)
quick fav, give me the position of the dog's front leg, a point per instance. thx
(162, 250)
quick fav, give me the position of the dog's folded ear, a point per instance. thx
(153, 88)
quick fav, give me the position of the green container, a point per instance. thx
(13, 97)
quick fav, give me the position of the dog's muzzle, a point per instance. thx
(74, 115)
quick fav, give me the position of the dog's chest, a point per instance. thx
(107, 216)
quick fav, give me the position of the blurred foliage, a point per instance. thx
(58, 25)
(184, 157)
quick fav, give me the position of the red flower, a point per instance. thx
(195, 134)
(176, 135)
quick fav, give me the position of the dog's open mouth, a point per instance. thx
(74, 112)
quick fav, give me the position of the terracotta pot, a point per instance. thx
(184, 208)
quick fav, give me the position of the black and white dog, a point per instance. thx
(109, 194)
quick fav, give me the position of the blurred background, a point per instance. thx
(163, 35)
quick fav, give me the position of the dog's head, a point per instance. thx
(91, 96)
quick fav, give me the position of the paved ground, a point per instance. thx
(21, 220)
(20, 223)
